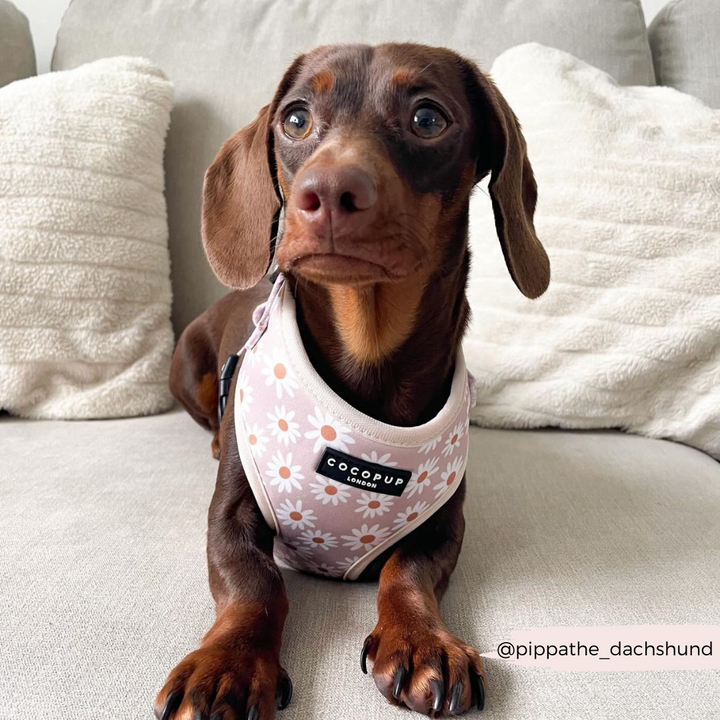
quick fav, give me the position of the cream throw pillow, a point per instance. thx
(628, 334)
(84, 269)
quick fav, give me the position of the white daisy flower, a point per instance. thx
(329, 491)
(245, 391)
(366, 537)
(278, 374)
(410, 514)
(283, 473)
(425, 448)
(421, 479)
(257, 440)
(382, 460)
(327, 432)
(453, 439)
(292, 514)
(347, 563)
(282, 426)
(317, 539)
(449, 476)
(372, 504)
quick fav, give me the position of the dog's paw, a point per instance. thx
(224, 682)
(426, 668)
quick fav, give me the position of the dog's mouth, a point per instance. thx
(339, 269)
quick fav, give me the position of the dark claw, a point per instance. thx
(252, 713)
(455, 697)
(438, 694)
(285, 694)
(364, 654)
(478, 689)
(399, 680)
(172, 703)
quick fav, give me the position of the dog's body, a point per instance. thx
(374, 152)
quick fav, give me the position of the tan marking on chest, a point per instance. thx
(373, 322)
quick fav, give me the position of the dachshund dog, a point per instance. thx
(372, 154)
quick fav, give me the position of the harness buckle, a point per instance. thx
(224, 382)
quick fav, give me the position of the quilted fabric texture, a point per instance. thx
(84, 270)
(628, 335)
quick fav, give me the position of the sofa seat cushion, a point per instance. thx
(103, 580)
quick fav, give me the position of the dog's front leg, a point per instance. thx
(235, 673)
(417, 661)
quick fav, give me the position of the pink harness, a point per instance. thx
(337, 486)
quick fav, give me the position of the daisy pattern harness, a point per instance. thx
(337, 486)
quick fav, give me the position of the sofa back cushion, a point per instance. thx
(685, 40)
(17, 56)
(225, 58)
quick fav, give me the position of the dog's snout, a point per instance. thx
(336, 197)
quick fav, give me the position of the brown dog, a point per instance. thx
(374, 152)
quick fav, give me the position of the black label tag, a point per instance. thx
(363, 474)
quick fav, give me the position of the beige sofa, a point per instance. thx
(102, 524)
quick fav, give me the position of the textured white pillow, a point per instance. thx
(84, 268)
(628, 334)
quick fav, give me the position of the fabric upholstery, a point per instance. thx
(84, 269)
(226, 58)
(685, 41)
(17, 55)
(103, 581)
(628, 333)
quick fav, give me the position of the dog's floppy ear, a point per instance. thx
(241, 200)
(513, 191)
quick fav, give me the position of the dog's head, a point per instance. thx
(374, 152)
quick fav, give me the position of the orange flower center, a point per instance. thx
(295, 515)
(373, 504)
(454, 440)
(282, 424)
(284, 472)
(412, 516)
(328, 433)
(367, 539)
(242, 394)
(330, 490)
(252, 440)
(422, 477)
(451, 478)
(318, 540)
(280, 371)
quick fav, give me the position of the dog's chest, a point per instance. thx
(337, 486)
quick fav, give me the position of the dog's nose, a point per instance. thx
(336, 197)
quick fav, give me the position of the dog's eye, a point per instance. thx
(428, 122)
(298, 123)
